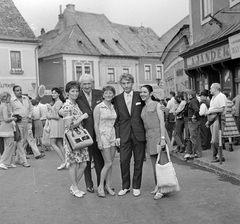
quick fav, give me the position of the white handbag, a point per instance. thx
(166, 175)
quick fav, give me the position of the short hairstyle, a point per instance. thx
(173, 93)
(16, 86)
(217, 86)
(4, 96)
(126, 76)
(109, 88)
(72, 85)
(88, 76)
(34, 102)
(192, 92)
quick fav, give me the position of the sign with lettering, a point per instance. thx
(7, 85)
(234, 44)
(214, 55)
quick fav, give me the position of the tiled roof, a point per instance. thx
(143, 41)
(70, 41)
(169, 35)
(100, 37)
(12, 24)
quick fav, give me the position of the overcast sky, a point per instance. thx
(160, 15)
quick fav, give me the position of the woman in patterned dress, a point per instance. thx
(104, 119)
(230, 129)
(57, 126)
(76, 160)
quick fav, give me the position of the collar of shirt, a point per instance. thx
(87, 95)
(128, 94)
(13, 98)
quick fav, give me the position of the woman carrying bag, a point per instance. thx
(153, 119)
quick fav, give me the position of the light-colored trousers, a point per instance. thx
(9, 148)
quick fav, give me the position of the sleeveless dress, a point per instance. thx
(106, 125)
(230, 128)
(6, 128)
(76, 156)
(56, 126)
(152, 126)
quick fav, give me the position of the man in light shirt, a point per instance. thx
(22, 106)
(218, 105)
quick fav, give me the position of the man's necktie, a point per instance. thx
(129, 103)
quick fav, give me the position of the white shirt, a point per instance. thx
(43, 110)
(203, 110)
(218, 101)
(22, 108)
(172, 105)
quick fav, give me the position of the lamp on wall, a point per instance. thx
(158, 80)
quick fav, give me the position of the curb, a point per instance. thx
(208, 165)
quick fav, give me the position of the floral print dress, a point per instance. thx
(76, 156)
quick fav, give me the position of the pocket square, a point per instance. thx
(138, 103)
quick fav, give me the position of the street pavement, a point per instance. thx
(40, 195)
(231, 167)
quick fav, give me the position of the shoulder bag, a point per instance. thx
(78, 138)
(166, 175)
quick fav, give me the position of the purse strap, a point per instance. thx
(168, 154)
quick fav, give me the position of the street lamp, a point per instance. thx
(158, 80)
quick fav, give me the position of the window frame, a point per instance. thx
(150, 72)
(161, 72)
(16, 70)
(114, 75)
(81, 64)
(129, 72)
(205, 18)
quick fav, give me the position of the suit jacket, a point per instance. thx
(125, 123)
(85, 108)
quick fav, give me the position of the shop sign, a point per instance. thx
(208, 57)
(234, 44)
(7, 85)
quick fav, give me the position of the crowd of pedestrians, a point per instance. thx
(132, 123)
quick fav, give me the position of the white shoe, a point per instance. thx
(187, 156)
(3, 166)
(157, 196)
(76, 193)
(123, 192)
(136, 192)
(12, 166)
(71, 191)
(62, 166)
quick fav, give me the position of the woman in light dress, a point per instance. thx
(57, 126)
(104, 118)
(76, 161)
(156, 134)
(7, 132)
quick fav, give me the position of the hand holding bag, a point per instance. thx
(166, 175)
(78, 138)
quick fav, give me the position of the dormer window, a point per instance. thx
(206, 8)
(101, 40)
(116, 41)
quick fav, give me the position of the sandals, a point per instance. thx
(100, 193)
(157, 196)
(154, 191)
(110, 191)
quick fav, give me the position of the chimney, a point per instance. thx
(70, 7)
(42, 31)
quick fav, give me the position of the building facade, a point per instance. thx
(213, 55)
(18, 51)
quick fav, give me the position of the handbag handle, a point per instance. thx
(168, 154)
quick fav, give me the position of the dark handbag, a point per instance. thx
(78, 138)
(17, 133)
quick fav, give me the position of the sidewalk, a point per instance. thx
(231, 167)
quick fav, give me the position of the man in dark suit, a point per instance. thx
(130, 134)
(87, 100)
